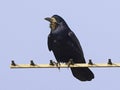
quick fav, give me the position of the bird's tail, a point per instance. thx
(83, 74)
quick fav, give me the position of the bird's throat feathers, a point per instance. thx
(53, 26)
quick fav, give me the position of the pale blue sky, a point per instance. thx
(23, 36)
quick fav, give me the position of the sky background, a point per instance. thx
(23, 37)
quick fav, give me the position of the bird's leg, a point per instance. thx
(58, 65)
(70, 62)
(55, 63)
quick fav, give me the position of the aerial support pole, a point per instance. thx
(53, 64)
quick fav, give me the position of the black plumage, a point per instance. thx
(65, 46)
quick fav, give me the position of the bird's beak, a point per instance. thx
(48, 19)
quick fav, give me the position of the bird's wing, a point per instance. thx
(75, 41)
(49, 42)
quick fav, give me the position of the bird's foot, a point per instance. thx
(53, 63)
(58, 65)
(70, 62)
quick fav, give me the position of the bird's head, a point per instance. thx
(55, 20)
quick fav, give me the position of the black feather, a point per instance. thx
(65, 46)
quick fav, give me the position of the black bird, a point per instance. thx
(65, 46)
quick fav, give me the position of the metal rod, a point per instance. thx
(101, 65)
(53, 64)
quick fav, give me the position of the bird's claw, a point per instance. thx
(58, 65)
(70, 62)
(55, 63)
